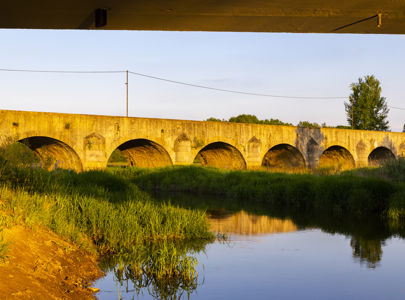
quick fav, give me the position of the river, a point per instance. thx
(271, 255)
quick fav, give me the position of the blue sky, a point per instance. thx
(285, 64)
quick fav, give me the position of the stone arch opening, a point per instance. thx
(53, 154)
(143, 153)
(283, 157)
(380, 156)
(220, 155)
(337, 157)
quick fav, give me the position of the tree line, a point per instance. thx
(365, 110)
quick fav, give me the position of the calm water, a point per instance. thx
(268, 257)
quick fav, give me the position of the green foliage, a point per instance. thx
(343, 127)
(110, 211)
(214, 120)
(117, 156)
(17, 154)
(274, 122)
(101, 205)
(393, 170)
(366, 108)
(307, 124)
(254, 120)
(245, 119)
(396, 211)
(251, 119)
(336, 194)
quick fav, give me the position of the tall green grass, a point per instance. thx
(342, 194)
(393, 170)
(109, 210)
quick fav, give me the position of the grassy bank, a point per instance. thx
(347, 193)
(102, 211)
(103, 207)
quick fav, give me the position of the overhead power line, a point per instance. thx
(177, 82)
(393, 107)
(58, 71)
(183, 83)
(235, 91)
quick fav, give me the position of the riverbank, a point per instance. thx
(38, 262)
(101, 211)
(106, 208)
(355, 193)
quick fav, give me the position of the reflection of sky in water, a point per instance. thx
(306, 264)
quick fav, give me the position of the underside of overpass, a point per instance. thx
(317, 16)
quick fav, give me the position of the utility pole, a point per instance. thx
(126, 83)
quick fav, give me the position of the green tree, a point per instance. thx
(366, 108)
(308, 124)
(212, 119)
(250, 119)
(275, 122)
(245, 119)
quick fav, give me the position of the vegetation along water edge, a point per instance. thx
(359, 192)
(98, 209)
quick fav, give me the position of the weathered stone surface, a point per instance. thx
(89, 140)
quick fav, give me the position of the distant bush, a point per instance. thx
(117, 156)
(307, 124)
(17, 154)
(343, 127)
(214, 120)
(251, 119)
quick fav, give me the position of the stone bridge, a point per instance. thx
(83, 142)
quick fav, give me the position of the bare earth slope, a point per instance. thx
(41, 265)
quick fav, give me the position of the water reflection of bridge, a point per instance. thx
(247, 224)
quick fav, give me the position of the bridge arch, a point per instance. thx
(379, 156)
(283, 157)
(337, 157)
(53, 153)
(144, 153)
(220, 155)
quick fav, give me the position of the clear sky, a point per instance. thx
(285, 64)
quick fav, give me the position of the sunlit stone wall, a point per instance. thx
(83, 142)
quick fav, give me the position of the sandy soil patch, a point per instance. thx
(42, 265)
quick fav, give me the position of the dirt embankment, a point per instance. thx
(42, 265)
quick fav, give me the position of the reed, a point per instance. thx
(340, 194)
(97, 205)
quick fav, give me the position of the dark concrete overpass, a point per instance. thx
(318, 16)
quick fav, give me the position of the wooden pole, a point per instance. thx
(126, 83)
